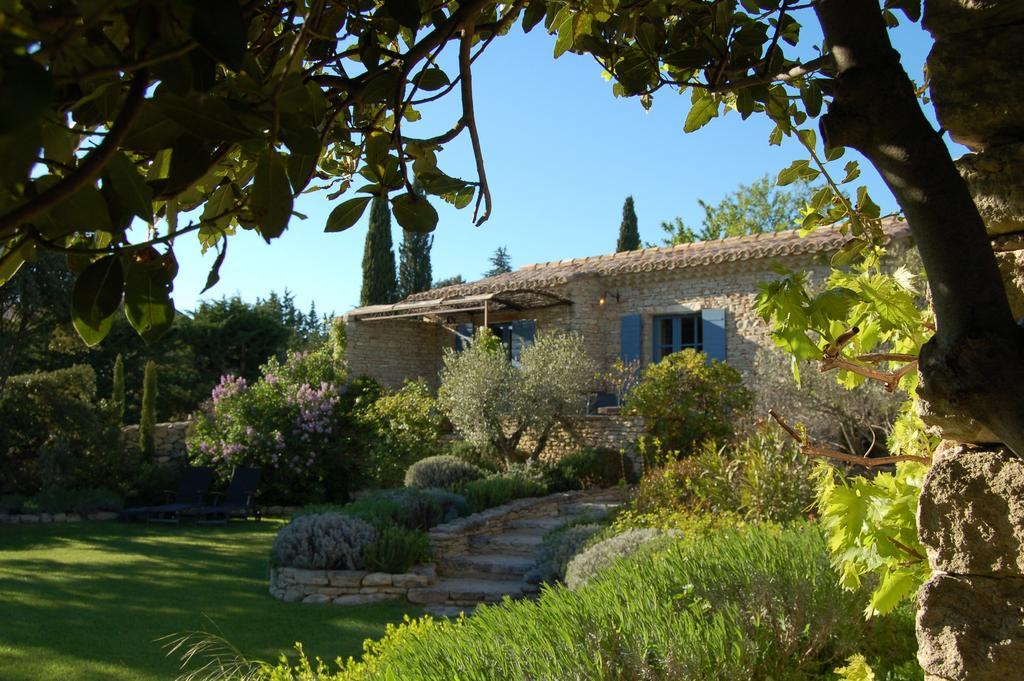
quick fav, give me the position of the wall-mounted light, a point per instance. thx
(606, 296)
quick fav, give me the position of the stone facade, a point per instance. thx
(392, 351)
(346, 587)
(169, 441)
(612, 432)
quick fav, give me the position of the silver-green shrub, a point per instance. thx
(323, 541)
(603, 554)
(442, 472)
(559, 548)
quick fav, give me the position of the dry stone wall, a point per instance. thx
(393, 351)
(169, 439)
(346, 587)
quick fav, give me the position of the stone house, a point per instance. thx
(636, 306)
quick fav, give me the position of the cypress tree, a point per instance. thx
(117, 398)
(147, 419)
(379, 281)
(414, 271)
(629, 233)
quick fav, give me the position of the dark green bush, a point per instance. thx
(443, 472)
(57, 500)
(415, 509)
(397, 549)
(748, 605)
(55, 434)
(684, 400)
(481, 457)
(498, 490)
(592, 467)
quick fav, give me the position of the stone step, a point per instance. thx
(592, 508)
(498, 565)
(547, 523)
(515, 543)
(449, 611)
(458, 590)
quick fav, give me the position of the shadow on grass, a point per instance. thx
(100, 594)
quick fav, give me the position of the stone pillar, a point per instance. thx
(970, 619)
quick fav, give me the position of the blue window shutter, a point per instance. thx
(521, 337)
(632, 327)
(714, 333)
(462, 330)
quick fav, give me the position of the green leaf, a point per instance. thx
(894, 587)
(190, 160)
(533, 15)
(85, 210)
(792, 172)
(147, 296)
(152, 130)
(346, 214)
(852, 172)
(431, 79)
(563, 25)
(405, 12)
(704, 107)
(26, 90)
(300, 170)
(634, 72)
(808, 138)
(11, 260)
(304, 140)
(270, 199)
(96, 297)
(217, 210)
(414, 213)
(19, 152)
(207, 117)
(214, 276)
(810, 93)
(130, 186)
(220, 28)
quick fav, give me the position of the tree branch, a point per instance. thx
(808, 449)
(89, 169)
(465, 71)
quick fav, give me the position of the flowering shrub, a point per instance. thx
(293, 423)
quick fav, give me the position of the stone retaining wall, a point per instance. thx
(454, 537)
(169, 440)
(346, 587)
(608, 431)
(42, 518)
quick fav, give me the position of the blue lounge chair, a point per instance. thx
(239, 501)
(195, 481)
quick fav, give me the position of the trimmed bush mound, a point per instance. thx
(598, 557)
(752, 604)
(592, 467)
(324, 541)
(561, 546)
(444, 471)
(500, 489)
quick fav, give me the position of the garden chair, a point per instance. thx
(238, 501)
(192, 486)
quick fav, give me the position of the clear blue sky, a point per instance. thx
(561, 152)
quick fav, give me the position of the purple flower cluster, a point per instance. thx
(229, 386)
(316, 410)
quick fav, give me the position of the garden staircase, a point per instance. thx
(485, 557)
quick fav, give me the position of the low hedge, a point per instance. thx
(498, 490)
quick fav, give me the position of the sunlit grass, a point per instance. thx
(88, 601)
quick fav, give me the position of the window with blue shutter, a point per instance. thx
(713, 323)
(463, 336)
(631, 338)
(673, 333)
(515, 336)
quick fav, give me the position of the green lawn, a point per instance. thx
(87, 601)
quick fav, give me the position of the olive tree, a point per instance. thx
(497, 405)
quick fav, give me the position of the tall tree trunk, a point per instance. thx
(970, 625)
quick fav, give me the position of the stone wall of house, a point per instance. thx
(169, 439)
(393, 351)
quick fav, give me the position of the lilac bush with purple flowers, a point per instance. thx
(294, 423)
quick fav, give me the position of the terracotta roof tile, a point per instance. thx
(700, 254)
